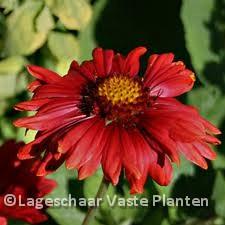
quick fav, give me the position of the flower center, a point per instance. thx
(117, 98)
(120, 90)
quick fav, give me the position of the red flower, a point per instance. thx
(103, 113)
(18, 179)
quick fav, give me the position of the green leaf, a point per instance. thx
(12, 65)
(210, 102)
(219, 162)
(73, 14)
(45, 21)
(91, 185)
(111, 215)
(64, 216)
(9, 69)
(2, 30)
(21, 37)
(165, 222)
(195, 15)
(7, 130)
(64, 47)
(3, 106)
(218, 195)
(87, 36)
(9, 5)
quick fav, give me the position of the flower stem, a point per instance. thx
(100, 195)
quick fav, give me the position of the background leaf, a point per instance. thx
(44, 21)
(195, 16)
(73, 14)
(218, 195)
(21, 38)
(64, 216)
(9, 70)
(65, 48)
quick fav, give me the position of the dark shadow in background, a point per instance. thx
(76, 189)
(125, 24)
(198, 186)
(215, 71)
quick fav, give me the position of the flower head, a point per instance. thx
(103, 113)
(19, 179)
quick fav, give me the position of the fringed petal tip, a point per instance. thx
(136, 190)
(166, 78)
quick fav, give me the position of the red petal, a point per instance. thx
(211, 140)
(86, 147)
(156, 63)
(3, 221)
(135, 152)
(86, 69)
(132, 64)
(94, 162)
(29, 150)
(52, 115)
(160, 168)
(27, 214)
(205, 150)
(34, 85)
(112, 159)
(192, 154)
(103, 61)
(142, 150)
(43, 74)
(45, 186)
(50, 163)
(137, 185)
(161, 136)
(56, 91)
(32, 105)
(210, 127)
(129, 154)
(166, 78)
(89, 168)
(75, 134)
(118, 64)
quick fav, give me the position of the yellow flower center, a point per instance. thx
(120, 90)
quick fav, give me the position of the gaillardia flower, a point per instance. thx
(103, 113)
(19, 180)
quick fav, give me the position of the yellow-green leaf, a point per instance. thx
(21, 37)
(195, 15)
(65, 48)
(12, 65)
(45, 21)
(9, 69)
(74, 14)
(218, 195)
(9, 5)
(87, 36)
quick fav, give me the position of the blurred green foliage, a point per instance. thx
(51, 33)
